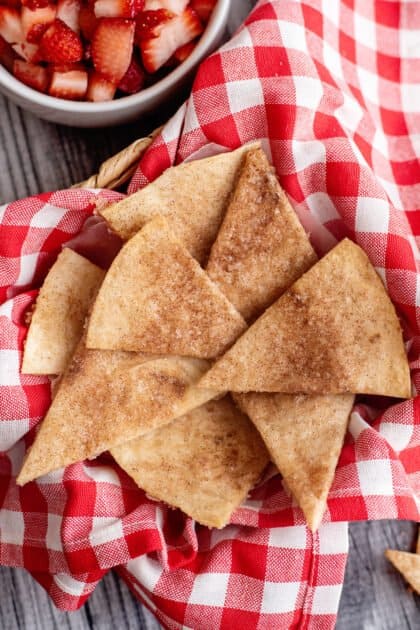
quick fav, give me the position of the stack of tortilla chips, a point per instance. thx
(215, 343)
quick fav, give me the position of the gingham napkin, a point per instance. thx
(332, 89)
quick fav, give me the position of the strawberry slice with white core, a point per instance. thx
(27, 51)
(10, 26)
(7, 55)
(87, 22)
(69, 85)
(112, 47)
(59, 44)
(149, 23)
(184, 51)
(35, 4)
(178, 31)
(203, 8)
(31, 74)
(35, 22)
(118, 8)
(174, 6)
(68, 11)
(134, 79)
(100, 89)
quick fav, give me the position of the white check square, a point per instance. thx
(326, 599)
(12, 527)
(9, 368)
(209, 589)
(280, 597)
(244, 94)
(372, 215)
(375, 477)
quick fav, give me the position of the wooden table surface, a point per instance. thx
(37, 156)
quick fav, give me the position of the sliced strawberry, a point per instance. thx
(31, 74)
(35, 4)
(134, 79)
(180, 30)
(10, 26)
(203, 8)
(184, 51)
(149, 23)
(174, 6)
(118, 8)
(87, 22)
(69, 85)
(36, 21)
(7, 55)
(60, 44)
(16, 4)
(68, 11)
(66, 67)
(112, 47)
(27, 51)
(100, 89)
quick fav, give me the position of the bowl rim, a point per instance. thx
(216, 22)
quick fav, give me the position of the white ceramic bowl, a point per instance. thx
(124, 109)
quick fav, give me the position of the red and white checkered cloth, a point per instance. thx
(333, 90)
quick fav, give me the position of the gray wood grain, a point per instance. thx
(36, 156)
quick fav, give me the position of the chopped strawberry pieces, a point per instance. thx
(180, 30)
(16, 4)
(149, 23)
(7, 54)
(69, 85)
(174, 6)
(29, 52)
(112, 47)
(31, 74)
(60, 44)
(87, 22)
(118, 8)
(184, 51)
(36, 21)
(100, 89)
(134, 79)
(97, 49)
(203, 8)
(35, 4)
(68, 12)
(10, 26)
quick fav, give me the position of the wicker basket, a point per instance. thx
(119, 168)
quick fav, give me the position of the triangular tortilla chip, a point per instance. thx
(106, 398)
(193, 196)
(60, 312)
(408, 564)
(334, 331)
(304, 435)
(156, 298)
(204, 463)
(261, 247)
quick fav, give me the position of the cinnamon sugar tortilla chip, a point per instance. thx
(62, 305)
(408, 564)
(106, 398)
(204, 463)
(193, 196)
(156, 298)
(334, 331)
(304, 435)
(261, 247)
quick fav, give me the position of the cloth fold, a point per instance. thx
(332, 92)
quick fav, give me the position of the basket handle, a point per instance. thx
(119, 168)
